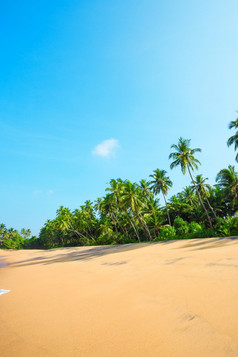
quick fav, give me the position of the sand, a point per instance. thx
(177, 298)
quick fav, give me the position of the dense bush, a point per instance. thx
(181, 226)
(194, 227)
(17, 242)
(167, 233)
(227, 226)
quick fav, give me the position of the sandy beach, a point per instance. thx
(177, 298)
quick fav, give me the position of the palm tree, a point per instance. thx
(228, 180)
(116, 189)
(28, 233)
(234, 138)
(112, 202)
(3, 231)
(11, 233)
(25, 233)
(132, 201)
(188, 196)
(154, 216)
(204, 190)
(145, 189)
(218, 201)
(161, 183)
(179, 207)
(184, 157)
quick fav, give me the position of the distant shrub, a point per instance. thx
(204, 233)
(194, 227)
(112, 238)
(31, 243)
(16, 242)
(167, 233)
(181, 226)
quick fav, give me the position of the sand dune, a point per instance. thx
(178, 298)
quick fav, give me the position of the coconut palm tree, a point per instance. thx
(145, 189)
(25, 233)
(188, 196)
(184, 157)
(113, 202)
(161, 183)
(154, 216)
(132, 202)
(204, 190)
(116, 189)
(234, 138)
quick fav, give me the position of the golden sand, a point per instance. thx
(178, 298)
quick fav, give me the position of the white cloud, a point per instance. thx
(42, 192)
(106, 148)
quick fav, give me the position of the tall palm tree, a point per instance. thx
(154, 215)
(132, 201)
(161, 183)
(234, 138)
(184, 157)
(129, 204)
(113, 201)
(116, 189)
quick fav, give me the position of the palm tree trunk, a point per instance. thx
(145, 225)
(211, 208)
(208, 217)
(135, 230)
(113, 220)
(167, 208)
(125, 232)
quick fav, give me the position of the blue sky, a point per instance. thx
(94, 90)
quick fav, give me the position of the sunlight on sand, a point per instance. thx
(176, 298)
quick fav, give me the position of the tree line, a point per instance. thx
(132, 212)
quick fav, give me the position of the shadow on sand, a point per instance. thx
(208, 243)
(77, 254)
(87, 253)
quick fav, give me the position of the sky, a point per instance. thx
(94, 90)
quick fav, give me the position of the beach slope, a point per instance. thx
(176, 298)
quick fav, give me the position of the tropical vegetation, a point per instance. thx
(132, 212)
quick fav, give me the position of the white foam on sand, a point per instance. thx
(3, 291)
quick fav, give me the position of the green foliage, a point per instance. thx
(17, 242)
(11, 239)
(228, 181)
(203, 233)
(32, 243)
(227, 226)
(181, 226)
(194, 227)
(167, 233)
(233, 140)
(115, 238)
